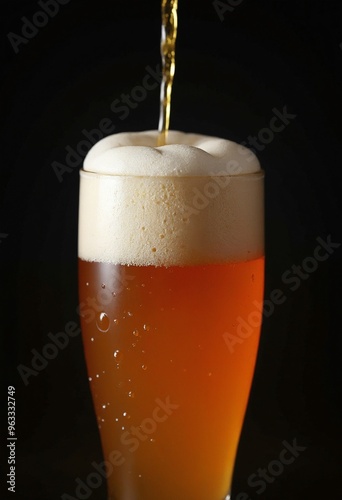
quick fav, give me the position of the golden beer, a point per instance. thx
(168, 263)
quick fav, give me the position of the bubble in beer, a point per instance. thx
(131, 394)
(136, 333)
(104, 406)
(103, 285)
(118, 356)
(103, 322)
(144, 367)
(130, 313)
(116, 321)
(146, 327)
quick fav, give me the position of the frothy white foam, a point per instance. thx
(189, 202)
(186, 154)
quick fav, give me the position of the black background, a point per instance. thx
(230, 75)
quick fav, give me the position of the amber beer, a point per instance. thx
(162, 282)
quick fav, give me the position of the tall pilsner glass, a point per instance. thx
(171, 271)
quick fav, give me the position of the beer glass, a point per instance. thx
(171, 272)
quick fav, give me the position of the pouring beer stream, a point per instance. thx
(168, 53)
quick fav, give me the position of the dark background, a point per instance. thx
(230, 75)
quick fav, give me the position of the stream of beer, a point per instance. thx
(167, 49)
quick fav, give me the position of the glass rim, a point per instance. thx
(260, 174)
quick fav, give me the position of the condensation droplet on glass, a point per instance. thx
(87, 284)
(209, 374)
(253, 277)
(92, 339)
(129, 313)
(114, 294)
(123, 428)
(136, 333)
(143, 285)
(133, 344)
(116, 321)
(146, 328)
(104, 407)
(118, 356)
(90, 379)
(152, 440)
(116, 420)
(131, 394)
(102, 322)
(102, 419)
(144, 367)
(97, 375)
(139, 475)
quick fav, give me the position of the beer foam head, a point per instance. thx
(186, 154)
(188, 202)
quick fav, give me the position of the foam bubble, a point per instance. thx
(189, 202)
